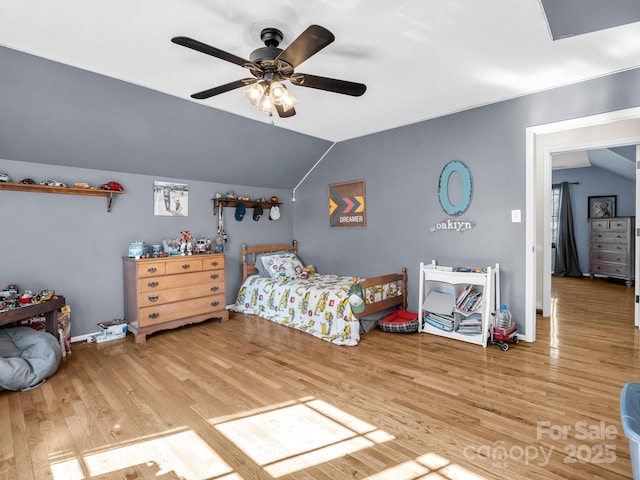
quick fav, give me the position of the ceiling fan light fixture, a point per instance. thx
(288, 101)
(254, 93)
(278, 92)
(265, 104)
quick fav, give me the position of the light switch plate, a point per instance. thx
(516, 216)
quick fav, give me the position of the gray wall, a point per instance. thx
(71, 129)
(58, 115)
(594, 181)
(70, 243)
(402, 169)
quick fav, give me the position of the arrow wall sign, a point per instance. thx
(347, 205)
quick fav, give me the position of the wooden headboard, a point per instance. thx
(249, 255)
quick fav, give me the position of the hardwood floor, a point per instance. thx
(249, 399)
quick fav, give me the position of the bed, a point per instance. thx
(318, 305)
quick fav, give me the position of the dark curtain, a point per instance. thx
(567, 264)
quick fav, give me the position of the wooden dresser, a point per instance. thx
(612, 248)
(163, 293)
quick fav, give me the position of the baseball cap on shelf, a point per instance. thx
(257, 212)
(240, 211)
(274, 212)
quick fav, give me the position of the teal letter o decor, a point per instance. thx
(467, 188)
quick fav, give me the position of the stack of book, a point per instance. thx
(443, 322)
(438, 309)
(469, 298)
(471, 325)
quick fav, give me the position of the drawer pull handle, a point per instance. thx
(186, 266)
(215, 289)
(152, 284)
(214, 264)
(215, 304)
(214, 276)
(151, 269)
(154, 315)
(153, 298)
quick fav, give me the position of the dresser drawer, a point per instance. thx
(608, 247)
(599, 224)
(151, 269)
(611, 269)
(180, 293)
(173, 281)
(184, 265)
(213, 262)
(172, 311)
(609, 237)
(611, 257)
(619, 225)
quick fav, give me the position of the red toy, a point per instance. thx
(500, 336)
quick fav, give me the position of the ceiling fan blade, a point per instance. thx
(209, 50)
(308, 43)
(328, 84)
(224, 88)
(285, 114)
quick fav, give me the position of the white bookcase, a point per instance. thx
(458, 304)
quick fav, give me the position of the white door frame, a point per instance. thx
(538, 191)
(637, 241)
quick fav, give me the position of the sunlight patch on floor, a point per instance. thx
(297, 436)
(183, 453)
(281, 439)
(426, 467)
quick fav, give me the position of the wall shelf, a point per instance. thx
(21, 187)
(225, 202)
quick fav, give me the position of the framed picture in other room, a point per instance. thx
(602, 206)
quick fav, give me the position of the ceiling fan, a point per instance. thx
(270, 65)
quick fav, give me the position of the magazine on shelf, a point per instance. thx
(439, 302)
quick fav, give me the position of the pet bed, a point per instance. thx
(27, 357)
(318, 305)
(400, 321)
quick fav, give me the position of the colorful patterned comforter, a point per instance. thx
(318, 305)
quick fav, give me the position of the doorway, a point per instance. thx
(598, 131)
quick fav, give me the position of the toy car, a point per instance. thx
(53, 183)
(46, 295)
(112, 186)
(203, 245)
(27, 181)
(4, 177)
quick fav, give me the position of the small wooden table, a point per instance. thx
(48, 307)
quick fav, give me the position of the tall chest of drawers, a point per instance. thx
(612, 248)
(164, 293)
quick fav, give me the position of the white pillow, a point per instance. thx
(283, 266)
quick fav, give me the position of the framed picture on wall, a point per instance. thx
(347, 206)
(170, 199)
(603, 206)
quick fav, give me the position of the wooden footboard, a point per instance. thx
(397, 301)
(250, 255)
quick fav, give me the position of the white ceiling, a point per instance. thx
(419, 59)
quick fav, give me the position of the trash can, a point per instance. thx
(630, 415)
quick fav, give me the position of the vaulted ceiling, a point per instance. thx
(419, 59)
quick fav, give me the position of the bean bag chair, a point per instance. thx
(27, 357)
